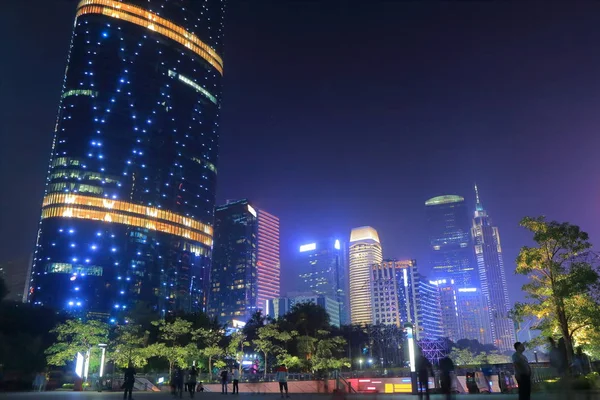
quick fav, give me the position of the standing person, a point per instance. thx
(224, 376)
(128, 381)
(446, 369)
(179, 382)
(522, 372)
(193, 378)
(236, 381)
(423, 369)
(282, 377)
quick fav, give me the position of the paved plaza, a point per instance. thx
(252, 396)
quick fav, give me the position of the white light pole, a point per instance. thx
(408, 328)
(103, 347)
(360, 363)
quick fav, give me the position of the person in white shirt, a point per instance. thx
(522, 372)
(282, 377)
(236, 381)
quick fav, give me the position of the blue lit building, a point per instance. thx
(234, 275)
(402, 295)
(490, 262)
(278, 307)
(322, 267)
(450, 239)
(128, 209)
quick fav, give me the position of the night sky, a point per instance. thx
(340, 114)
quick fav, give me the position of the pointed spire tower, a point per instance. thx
(490, 263)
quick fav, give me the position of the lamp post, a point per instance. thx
(102, 359)
(360, 363)
(535, 355)
(408, 328)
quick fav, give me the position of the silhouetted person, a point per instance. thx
(446, 369)
(192, 379)
(424, 367)
(224, 377)
(179, 381)
(522, 371)
(282, 378)
(128, 381)
(236, 381)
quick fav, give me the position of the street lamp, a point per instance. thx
(360, 363)
(408, 328)
(535, 355)
(103, 347)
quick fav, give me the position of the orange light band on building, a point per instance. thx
(141, 17)
(121, 212)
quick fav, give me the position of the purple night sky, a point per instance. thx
(340, 114)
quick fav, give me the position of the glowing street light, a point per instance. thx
(360, 360)
(408, 328)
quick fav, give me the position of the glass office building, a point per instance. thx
(128, 209)
(234, 275)
(364, 252)
(323, 271)
(449, 239)
(490, 262)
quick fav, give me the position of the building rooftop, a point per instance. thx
(446, 199)
(364, 233)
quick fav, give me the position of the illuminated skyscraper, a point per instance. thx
(402, 295)
(322, 270)
(128, 209)
(233, 275)
(364, 251)
(268, 264)
(449, 308)
(449, 239)
(490, 263)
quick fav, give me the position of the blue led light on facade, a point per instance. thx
(128, 87)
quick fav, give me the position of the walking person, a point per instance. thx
(236, 381)
(282, 378)
(423, 368)
(128, 381)
(446, 370)
(192, 379)
(224, 376)
(522, 372)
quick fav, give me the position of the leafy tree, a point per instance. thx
(327, 352)
(463, 357)
(75, 336)
(256, 321)
(211, 349)
(269, 341)
(129, 346)
(174, 344)
(307, 319)
(236, 345)
(560, 276)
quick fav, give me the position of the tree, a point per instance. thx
(129, 346)
(175, 342)
(560, 277)
(236, 345)
(211, 347)
(463, 357)
(327, 353)
(75, 336)
(269, 341)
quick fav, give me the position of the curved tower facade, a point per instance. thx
(449, 239)
(128, 209)
(364, 252)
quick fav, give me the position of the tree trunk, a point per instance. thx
(209, 368)
(564, 327)
(265, 374)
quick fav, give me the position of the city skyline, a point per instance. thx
(525, 135)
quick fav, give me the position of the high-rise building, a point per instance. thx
(233, 276)
(128, 209)
(278, 307)
(268, 265)
(402, 295)
(364, 251)
(449, 239)
(15, 275)
(472, 315)
(490, 263)
(449, 308)
(322, 270)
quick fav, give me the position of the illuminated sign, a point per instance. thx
(251, 210)
(467, 290)
(337, 244)
(308, 247)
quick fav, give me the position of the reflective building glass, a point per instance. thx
(128, 210)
